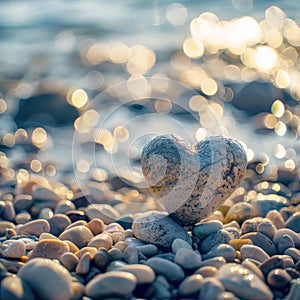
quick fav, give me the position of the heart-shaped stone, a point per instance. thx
(193, 181)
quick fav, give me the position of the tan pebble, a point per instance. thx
(83, 265)
(10, 233)
(13, 249)
(144, 274)
(206, 271)
(276, 218)
(22, 218)
(191, 285)
(128, 233)
(238, 243)
(224, 209)
(47, 277)
(14, 288)
(112, 284)
(96, 226)
(114, 227)
(50, 248)
(69, 260)
(58, 224)
(36, 227)
(253, 267)
(121, 245)
(22, 202)
(73, 248)
(24, 258)
(117, 237)
(9, 212)
(217, 216)
(5, 225)
(101, 240)
(91, 250)
(47, 236)
(253, 252)
(78, 290)
(234, 224)
(77, 223)
(79, 235)
(240, 212)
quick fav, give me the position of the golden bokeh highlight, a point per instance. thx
(39, 137)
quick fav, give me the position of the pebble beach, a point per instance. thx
(156, 160)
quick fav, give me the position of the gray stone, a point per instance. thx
(157, 228)
(243, 283)
(144, 274)
(293, 222)
(178, 244)
(284, 243)
(203, 230)
(253, 252)
(294, 236)
(211, 288)
(193, 181)
(14, 288)
(188, 259)
(222, 236)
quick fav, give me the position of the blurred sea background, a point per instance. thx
(96, 79)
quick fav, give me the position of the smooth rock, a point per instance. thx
(148, 250)
(115, 254)
(211, 288)
(240, 212)
(203, 230)
(101, 240)
(293, 253)
(13, 249)
(22, 202)
(285, 231)
(190, 286)
(222, 236)
(266, 227)
(104, 212)
(58, 223)
(243, 283)
(216, 262)
(253, 252)
(284, 243)
(227, 296)
(143, 273)
(83, 265)
(263, 206)
(251, 225)
(69, 260)
(276, 261)
(237, 244)
(5, 225)
(9, 212)
(101, 258)
(131, 255)
(96, 226)
(188, 259)
(293, 222)
(247, 263)
(48, 280)
(14, 288)
(276, 218)
(223, 250)
(64, 206)
(35, 227)
(22, 218)
(178, 244)
(278, 279)
(111, 284)
(50, 248)
(170, 270)
(207, 271)
(157, 228)
(262, 241)
(79, 235)
(193, 181)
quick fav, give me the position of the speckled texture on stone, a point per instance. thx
(157, 228)
(193, 181)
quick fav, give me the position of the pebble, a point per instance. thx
(121, 246)
(46, 277)
(157, 228)
(22, 202)
(9, 212)
(188, 259)
(262, 241)
(222, 236)
(238, 243)
(285, 231)
(101, 259)
(143, 273)
(278, 279)
(263, 206)
(77, 215)
(114, 227)
(240, 212)
(115, 254)
(103, 240)
(294, 293)
(14, 288)
(207, 271)
(13, 249)
(211, 288)
(170, 270)
(223, 250)
(178, 244)
(50, 248)
(111, 284)
(216, 262)
(266, 227)
(293, 253)
(227, 296)
(190, 286)
(203, 230)
(276, 219)
(46, 213)
(35, 227)
(96, 226)
(83, 265)
(131, 255)
(69, 260)
(276, 261)
(148, 250)
(243, 283)
(191, 187)
(253, 252)
(64, 206)
(247, 263)
(251, 225)
(293, 222)
(104, 212)
(284, 243)
(79, 235)
(58, 223)
(5, 225)
(23, 217)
